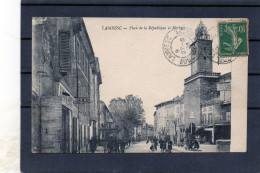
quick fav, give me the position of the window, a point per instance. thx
(210, 119)
(77, 48)
(228, 116)
(64, 51)
(203, 118)
(83, 61)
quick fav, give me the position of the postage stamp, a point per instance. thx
(233, 38)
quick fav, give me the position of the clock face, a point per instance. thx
(206, 52)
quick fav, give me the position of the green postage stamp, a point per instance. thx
(233, 38)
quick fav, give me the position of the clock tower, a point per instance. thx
(200, 86)
(201, 51)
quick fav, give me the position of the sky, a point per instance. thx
(132, 60)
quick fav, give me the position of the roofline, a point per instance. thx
(169, 101)
(199, 40)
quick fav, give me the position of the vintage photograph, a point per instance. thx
(139, 85)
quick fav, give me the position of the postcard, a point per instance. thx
(139, 85)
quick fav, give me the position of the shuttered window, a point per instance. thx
(64, 56)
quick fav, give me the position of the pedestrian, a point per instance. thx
(155, 141)
(92, 145)
(147, 141)
(196, 144)
(105, 146)
(164, 146)
(116, 146)
(110, 145)
(122, 146)
(152, 146)
(169, 146)
(161, 141)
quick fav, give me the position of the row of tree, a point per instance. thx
(127, 113)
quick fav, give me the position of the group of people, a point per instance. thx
(110, 145)
(165, 144)
(191, 144)
(115, 145)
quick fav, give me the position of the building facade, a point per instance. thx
(65, 86)
(106, 124)
(207, 95)
(169, 119)
(165, 119)
(203, 111)
(216, 112)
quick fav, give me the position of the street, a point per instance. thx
(142, 147)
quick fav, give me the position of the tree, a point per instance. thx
(127, 113)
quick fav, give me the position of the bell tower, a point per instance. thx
(201, 51)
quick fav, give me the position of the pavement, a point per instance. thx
(142, 147)
(204, 148)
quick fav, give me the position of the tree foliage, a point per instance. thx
(127, 113)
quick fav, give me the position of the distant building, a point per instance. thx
(65, 86)
(106, 123)
(204, 109)
(147, 130)
(179, 119)
(164, 119)
(169, 118)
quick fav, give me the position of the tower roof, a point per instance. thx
(201, 32)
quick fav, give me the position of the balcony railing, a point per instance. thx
(221, 121)
(207, 74)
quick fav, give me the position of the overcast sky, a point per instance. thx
(132, 61)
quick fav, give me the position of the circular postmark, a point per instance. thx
(176, 46)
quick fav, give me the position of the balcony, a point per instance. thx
(215, 122)
(202, 74)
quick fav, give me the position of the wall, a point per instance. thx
(192, 102)
(202, 55)
(49, 84)
(51, 122)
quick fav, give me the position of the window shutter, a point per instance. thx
(64, 46)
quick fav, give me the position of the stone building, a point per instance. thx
(169, 119)
(106, 125)
(204, 109)
(65, 86)
(147, 131)
(164, 119)
(216, 112)
(179, 118)
(205, 91)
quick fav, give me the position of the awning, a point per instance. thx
(209, 129)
